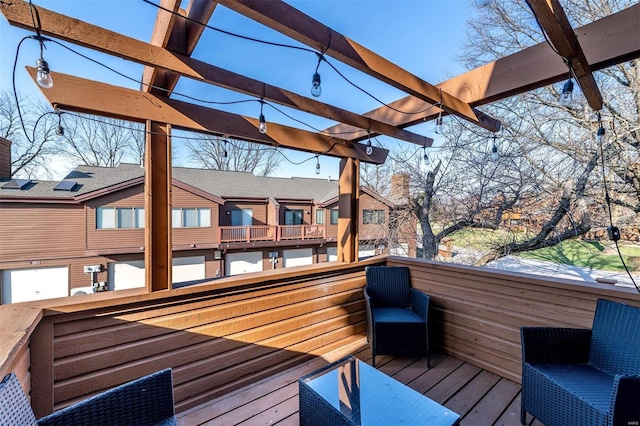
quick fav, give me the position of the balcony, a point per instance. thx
(237, 345)
(251, 234)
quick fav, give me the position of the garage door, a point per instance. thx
(242, 263)
(297, 257)
(366, 250)
(130, 274)
(332, 254)
(22, 285)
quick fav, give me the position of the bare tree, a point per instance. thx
(30, 151)
(101, 141)
(212, 152)
(557, 143)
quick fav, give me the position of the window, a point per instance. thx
(241, 217)
(293, 217)
(372, 216)
(319, 217)
(119, 217)
(191, 217)
(334, 216)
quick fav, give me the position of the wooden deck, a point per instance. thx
(480, 397)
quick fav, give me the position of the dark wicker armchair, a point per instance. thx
(145, 401)
(396, 313)
(584, 377)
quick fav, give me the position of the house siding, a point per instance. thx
(260, 216)
(32, 232)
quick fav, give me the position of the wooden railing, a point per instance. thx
(478, 312)
(223, 335)
(301, 232)
(248, 234)
(217, 337)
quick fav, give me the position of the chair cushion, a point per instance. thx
(395, 315)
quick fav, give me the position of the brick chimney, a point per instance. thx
(5, 159)
(400, 186)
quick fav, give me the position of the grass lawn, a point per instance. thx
(574, 252)
(582, 253)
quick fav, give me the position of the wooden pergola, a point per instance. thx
(167, 57)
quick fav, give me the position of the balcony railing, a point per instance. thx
(301, 232)
(249, 234)
(232, 332)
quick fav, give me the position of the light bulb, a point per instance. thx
(600, 134)
(439, 125)
(566, 98)
(43, 77)
(426, 159)
(60, 133)
(263, 124)
(369, 149)
(317, 166)
(494, 153)
(316, 90)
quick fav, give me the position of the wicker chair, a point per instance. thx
(145, 401)
(584, 377)
(396, 313)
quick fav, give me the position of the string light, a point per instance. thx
(369, 149)
(426, 157)
(566, 98)
(494, 150)
(60, 129)
(225, 154)
(600, 132)
(43, 76)
(317, 165)
(263, 124)
(316, 89)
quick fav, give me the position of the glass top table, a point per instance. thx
(350, 392)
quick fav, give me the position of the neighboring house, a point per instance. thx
(87, 231)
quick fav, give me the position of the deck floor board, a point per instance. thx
(480, 397)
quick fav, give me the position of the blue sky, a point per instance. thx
(422, 36)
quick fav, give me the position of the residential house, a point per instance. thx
(86, 232)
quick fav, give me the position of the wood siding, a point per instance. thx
(215, 341)
(32, 232)
(372, 231)
(478, 312)
(130, 240)
(260, 216)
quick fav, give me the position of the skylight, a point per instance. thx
(16, 184)
(65, 185)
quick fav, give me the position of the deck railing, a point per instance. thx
(248, 234)
(223, 335)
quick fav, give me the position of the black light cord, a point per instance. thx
(321, 56)
(607, 200)
(270, 43)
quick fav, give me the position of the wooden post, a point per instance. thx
(157, 204)
(42, 375)
(348, 205)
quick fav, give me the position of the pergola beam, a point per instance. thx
(175, 32)
(92, 97)
(605, 42)
(555, 24)
(103, 40)
(295, 24)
